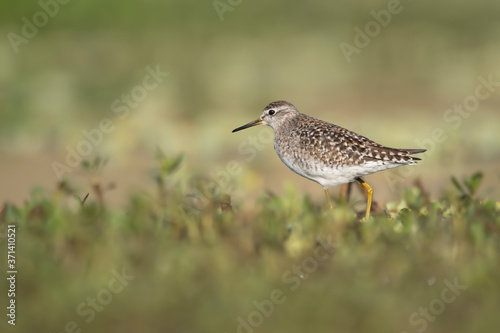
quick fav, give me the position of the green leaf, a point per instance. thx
(457, 185)
(473, 182)
(80, 200)
(170, 165)
(85, 199)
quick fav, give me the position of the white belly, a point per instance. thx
(330, 176)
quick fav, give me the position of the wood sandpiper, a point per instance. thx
(326, 153)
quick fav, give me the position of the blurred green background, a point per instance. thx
(223, 72)
(397, 91)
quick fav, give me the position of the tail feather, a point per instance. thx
(414, 151)
(395, 155)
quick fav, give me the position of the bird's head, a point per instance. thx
(273, 115)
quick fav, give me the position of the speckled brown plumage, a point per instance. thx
(333, 145)
(326, 153)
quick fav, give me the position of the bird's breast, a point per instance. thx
(300, 160)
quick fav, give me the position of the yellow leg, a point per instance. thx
(328, 199)
(369, 190)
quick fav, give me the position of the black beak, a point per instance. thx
(250, 124)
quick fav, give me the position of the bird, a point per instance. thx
(325, 153)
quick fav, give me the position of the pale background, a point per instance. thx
(223, 72)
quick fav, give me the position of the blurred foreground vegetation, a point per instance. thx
(288, 265)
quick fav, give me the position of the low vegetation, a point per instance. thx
(169, 263)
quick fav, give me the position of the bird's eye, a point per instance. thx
(271, 112)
